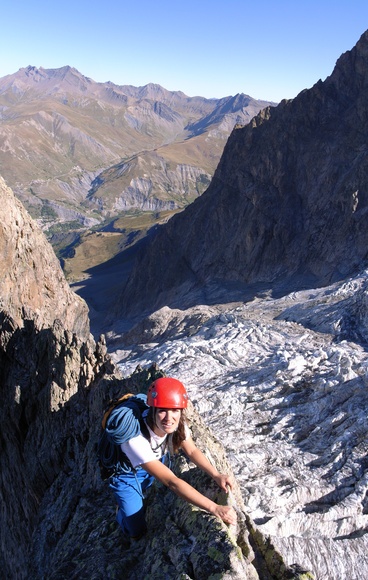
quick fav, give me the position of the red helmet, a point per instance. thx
(167, 393)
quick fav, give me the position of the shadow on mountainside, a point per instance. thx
(103, 291)
(104, 285)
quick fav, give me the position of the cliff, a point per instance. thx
(286, 208)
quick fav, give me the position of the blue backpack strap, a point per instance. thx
(123, 422)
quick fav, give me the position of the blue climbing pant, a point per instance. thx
(129, 490)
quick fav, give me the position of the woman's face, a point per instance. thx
(167, 421)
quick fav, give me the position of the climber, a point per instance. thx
(147, 454)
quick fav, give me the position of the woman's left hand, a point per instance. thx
(194, 454)
(224, 481)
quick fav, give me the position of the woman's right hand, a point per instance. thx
(226, 513)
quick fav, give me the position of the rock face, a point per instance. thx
(57, 516)
(286, 207)
(32, 283)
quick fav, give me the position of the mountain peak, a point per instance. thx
(154, 91)
(47, 73)
(52, 79)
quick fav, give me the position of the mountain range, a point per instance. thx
(83, 155)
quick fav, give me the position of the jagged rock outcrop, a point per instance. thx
(57, 516)
(32, 283)
(44, 381)
(286, 207)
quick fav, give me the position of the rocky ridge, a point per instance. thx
(57, 516)
(286, 208)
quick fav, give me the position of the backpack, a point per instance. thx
(121, 422)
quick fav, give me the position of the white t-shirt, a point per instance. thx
(139, 450)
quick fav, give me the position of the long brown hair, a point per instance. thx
(178, 436)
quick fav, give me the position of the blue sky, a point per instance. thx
(269, 50)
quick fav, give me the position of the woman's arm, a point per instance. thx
(200, 460)
(187, 492)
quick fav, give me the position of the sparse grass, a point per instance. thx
(64, 227)
(140, 220)
(97, 247)
(94, 249)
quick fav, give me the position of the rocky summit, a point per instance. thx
(286, 208)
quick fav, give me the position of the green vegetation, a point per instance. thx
(140, 220)
(202, 183)
(62, 227)
(47, 211)
(81, 250)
